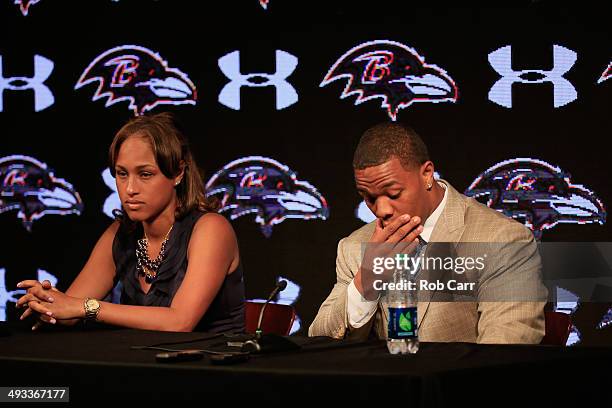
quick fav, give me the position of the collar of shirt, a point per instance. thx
(431, 221)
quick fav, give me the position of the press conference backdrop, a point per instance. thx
(513, 103)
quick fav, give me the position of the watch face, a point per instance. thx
(92, 303)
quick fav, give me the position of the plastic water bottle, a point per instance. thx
(402, 334)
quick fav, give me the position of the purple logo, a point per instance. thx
(606, 74)
(30, 187)
(138, 76)
(267, 189)
(537, 194)
(392, 72)
(24, 5)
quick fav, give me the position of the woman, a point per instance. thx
(177, 259)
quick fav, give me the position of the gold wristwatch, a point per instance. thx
(92, 308)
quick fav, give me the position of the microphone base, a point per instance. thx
(270, 343)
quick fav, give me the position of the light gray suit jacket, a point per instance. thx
(485, 320)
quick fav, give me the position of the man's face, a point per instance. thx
(390, 191)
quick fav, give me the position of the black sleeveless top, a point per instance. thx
(225, 313)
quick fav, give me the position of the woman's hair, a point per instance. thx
(170, 148)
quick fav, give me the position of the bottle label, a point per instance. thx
(403, 323)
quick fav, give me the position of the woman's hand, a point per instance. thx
(49, 303)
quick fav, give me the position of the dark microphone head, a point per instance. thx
(282, 285)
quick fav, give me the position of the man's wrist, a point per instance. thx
(368, 293)
(357, 283)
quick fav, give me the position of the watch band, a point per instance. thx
(91, 313)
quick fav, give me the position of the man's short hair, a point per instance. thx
(381, 142)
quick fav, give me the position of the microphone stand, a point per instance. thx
(265, 343)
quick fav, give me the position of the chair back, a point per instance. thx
(558, 326)
(277, 319)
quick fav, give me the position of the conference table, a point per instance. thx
(101, 363)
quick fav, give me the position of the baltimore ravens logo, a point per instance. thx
(606, 74)
(139, 76)
(32, 189)
(392, 72)
(536, 193)
(266, 188)
(24, 5)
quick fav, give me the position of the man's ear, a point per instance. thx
(427, 172)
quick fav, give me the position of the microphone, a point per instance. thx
(280, 286)
(265, 343)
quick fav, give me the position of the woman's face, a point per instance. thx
(144, 190)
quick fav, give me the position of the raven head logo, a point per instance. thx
(140, 76)
(393, 72)
(536, 193)
(24, 5)
(606, 74)
(31, 188)
(264, 187)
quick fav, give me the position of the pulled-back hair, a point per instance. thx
(170, 147)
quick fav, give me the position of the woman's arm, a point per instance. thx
(212, 254)
(95, 279)
(97, 276)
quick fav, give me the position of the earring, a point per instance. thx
(177, 183)
(429, 186)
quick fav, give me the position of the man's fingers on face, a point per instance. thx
(379, 225)
(393, 226)
(406, 229)
(412, 238)
(405, 247)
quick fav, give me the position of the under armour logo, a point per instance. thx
(563, 60)
(43, 97)
(112, 202)
(285, 92)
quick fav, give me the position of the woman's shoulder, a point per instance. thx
(212, 225)
(211, 222)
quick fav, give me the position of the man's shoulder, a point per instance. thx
(362, 234)
(491, 224)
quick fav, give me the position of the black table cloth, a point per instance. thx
(98, 363)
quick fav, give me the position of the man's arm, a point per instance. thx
(332, 320)
(512, 295)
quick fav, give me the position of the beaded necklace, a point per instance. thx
(145, 265)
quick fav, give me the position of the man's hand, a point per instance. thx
(399, 237)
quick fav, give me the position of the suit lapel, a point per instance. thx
(449, 228)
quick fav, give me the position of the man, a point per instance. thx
(395, 177)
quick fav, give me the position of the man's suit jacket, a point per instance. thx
(487, 320)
